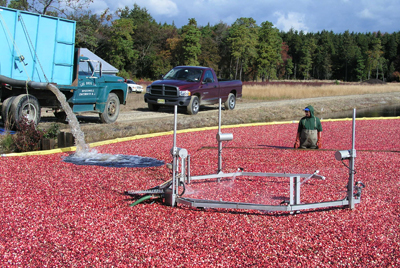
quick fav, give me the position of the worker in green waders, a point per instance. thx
(309, 131)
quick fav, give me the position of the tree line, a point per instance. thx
(132, 41)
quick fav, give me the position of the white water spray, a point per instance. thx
(232, 181)
(81, 146)
(85, 156)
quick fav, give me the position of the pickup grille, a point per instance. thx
(164, 90)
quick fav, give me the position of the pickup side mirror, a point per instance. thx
(207, 80)
(161, 76)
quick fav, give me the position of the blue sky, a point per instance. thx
(307, 15)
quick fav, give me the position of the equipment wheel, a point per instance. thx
(230, 102)
(153, 107)
(194, 105)
(26, 106)
(5, 111)
(111, 111)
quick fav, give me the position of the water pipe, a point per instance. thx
(22, 83)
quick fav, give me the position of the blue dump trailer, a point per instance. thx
(38, 50)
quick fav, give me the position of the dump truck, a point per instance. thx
(191, 87)
(36, 50)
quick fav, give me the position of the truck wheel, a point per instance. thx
(61, 116)
(111, 111)
(5, 111)
(194, 105)
(230, 102)
(25, 106)
(153, 107)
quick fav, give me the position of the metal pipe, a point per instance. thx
(354, 129)
(219, 116)
(291, 191)
(297, 185)
(219, 141)
(174, 156)
(183, 169)
(188, 169)
(350, 194)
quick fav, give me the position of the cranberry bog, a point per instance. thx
(55, 213)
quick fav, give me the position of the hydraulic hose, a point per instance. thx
(140, 200)
(22, 83)
(184, 189)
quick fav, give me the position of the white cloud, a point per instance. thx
(292, 20)
(156, 8)
(305, 15)
(365, 14)
(98, 6)
(162, 7)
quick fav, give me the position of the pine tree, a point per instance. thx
(243, 40)
(360, 69)
(120, 45)
(268, 50)
(306, 59)
(374, 57)
(191, 43)
(209, 55)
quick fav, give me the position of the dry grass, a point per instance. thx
(283, 92)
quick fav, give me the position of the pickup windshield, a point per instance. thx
(188, 74)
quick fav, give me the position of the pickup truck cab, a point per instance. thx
(192, 86)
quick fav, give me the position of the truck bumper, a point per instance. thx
(166, 100)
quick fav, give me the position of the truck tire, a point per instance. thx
(194, 105)
(153, 107)
(26, 106)
(5, 111)
(111, 111)
(230, 102)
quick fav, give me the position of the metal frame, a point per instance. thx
(181, 174)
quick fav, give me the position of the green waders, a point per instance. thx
(308, 138)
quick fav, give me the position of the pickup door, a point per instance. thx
(209, 88)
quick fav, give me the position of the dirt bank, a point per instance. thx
(136, 119)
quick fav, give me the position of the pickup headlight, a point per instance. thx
(184, 93)
(148, 90)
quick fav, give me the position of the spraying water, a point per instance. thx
(81, 146)
(237, 173)
(84, 156)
